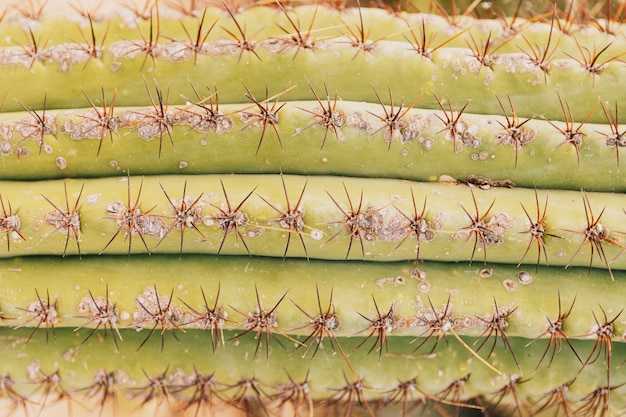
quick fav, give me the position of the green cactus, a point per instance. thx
(304, 210)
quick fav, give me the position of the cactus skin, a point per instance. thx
(237, 363)
(230, 283)
(362, 142)
(377, 227)
(452, 72)
(579, 232)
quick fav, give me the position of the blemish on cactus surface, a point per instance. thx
(524, 278)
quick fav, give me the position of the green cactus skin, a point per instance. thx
(344, 218)
(360, 141)
(557, 332)
(230, 283)
(230, 366)
(451, 72)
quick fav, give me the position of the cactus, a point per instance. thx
(309, 210)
